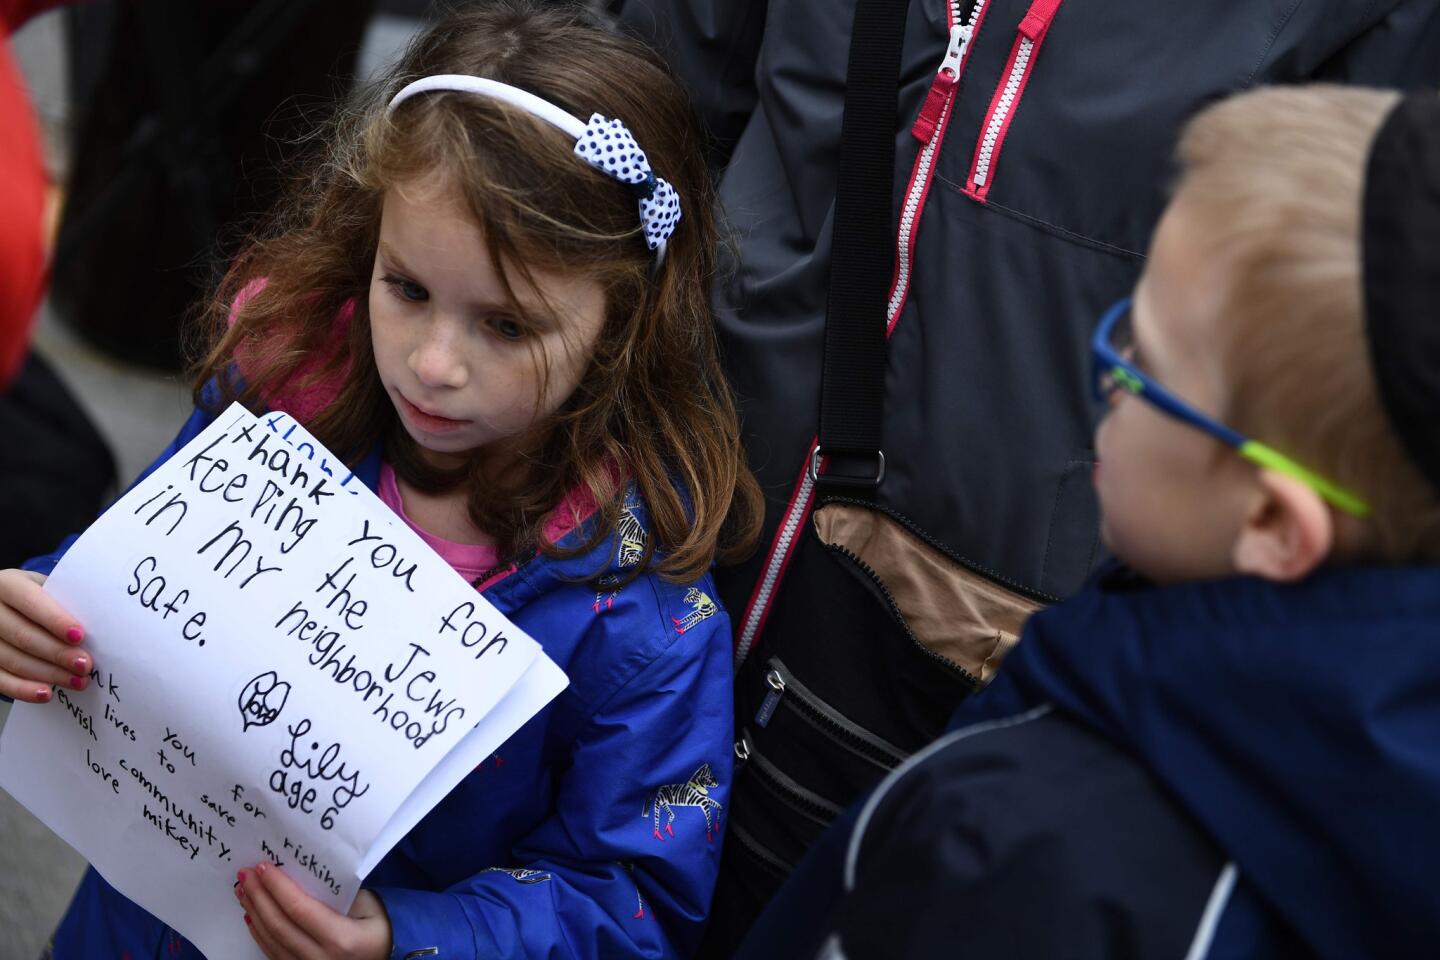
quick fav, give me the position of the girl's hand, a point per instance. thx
(39, 641)
(289, 924)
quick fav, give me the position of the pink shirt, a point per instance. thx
(469, 560)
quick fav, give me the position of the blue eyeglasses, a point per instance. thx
(1112, 370)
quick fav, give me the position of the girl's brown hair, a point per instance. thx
(653, 404)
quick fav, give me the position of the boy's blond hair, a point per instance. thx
(1277, 177)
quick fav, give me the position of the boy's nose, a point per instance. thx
(1110, 398)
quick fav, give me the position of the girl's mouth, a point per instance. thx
(424, 420)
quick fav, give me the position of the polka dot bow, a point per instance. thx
(610, 148)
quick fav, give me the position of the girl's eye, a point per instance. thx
(407, 290)
(507, 328)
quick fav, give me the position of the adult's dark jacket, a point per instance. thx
(987, 424)
(1224, 769)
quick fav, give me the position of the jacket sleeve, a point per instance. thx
(199, 419)
(611, 872)
(713, 45)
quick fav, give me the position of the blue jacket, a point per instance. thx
(1222, 769)
(594, 831)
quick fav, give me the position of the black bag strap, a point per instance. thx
(852, 384)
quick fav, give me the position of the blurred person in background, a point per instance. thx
(55, 469)
(23, 192)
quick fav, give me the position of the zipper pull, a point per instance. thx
(943, 84)
(960, 35)
(742, 749)
(772, 699)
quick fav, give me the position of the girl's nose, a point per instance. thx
(437, 360)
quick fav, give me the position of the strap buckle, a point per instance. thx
(841, 480)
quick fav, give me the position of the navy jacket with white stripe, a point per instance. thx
(1222, 769)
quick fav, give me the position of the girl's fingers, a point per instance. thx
(272, 922)
(22, 591)
(32, 670)
(317, 920)
(265, 941)
(26, 643)
(17, 688)
(33, 622)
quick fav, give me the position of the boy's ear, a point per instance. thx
(1288, 533)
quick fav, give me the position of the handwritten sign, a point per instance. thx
(285, 671)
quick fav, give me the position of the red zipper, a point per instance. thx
(929, 128)
(1006, 101)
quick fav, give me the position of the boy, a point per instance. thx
(1242, 756)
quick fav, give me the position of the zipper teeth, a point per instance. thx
(907, 219)
(1002, 110)
(900, 619)
(974, 17)
(869, 746)
(925, 538)
(811, 806)
(829, 728)
(754, 846)
(911, 209)
(772, 570)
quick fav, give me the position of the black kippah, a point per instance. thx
(1400, 246)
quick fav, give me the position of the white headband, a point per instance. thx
(603, 143)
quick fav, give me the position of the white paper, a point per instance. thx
(284, 670)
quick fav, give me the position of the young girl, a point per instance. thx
(491, 296)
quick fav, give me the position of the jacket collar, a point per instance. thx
(570, 526)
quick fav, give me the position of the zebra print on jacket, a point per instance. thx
(695, 792)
